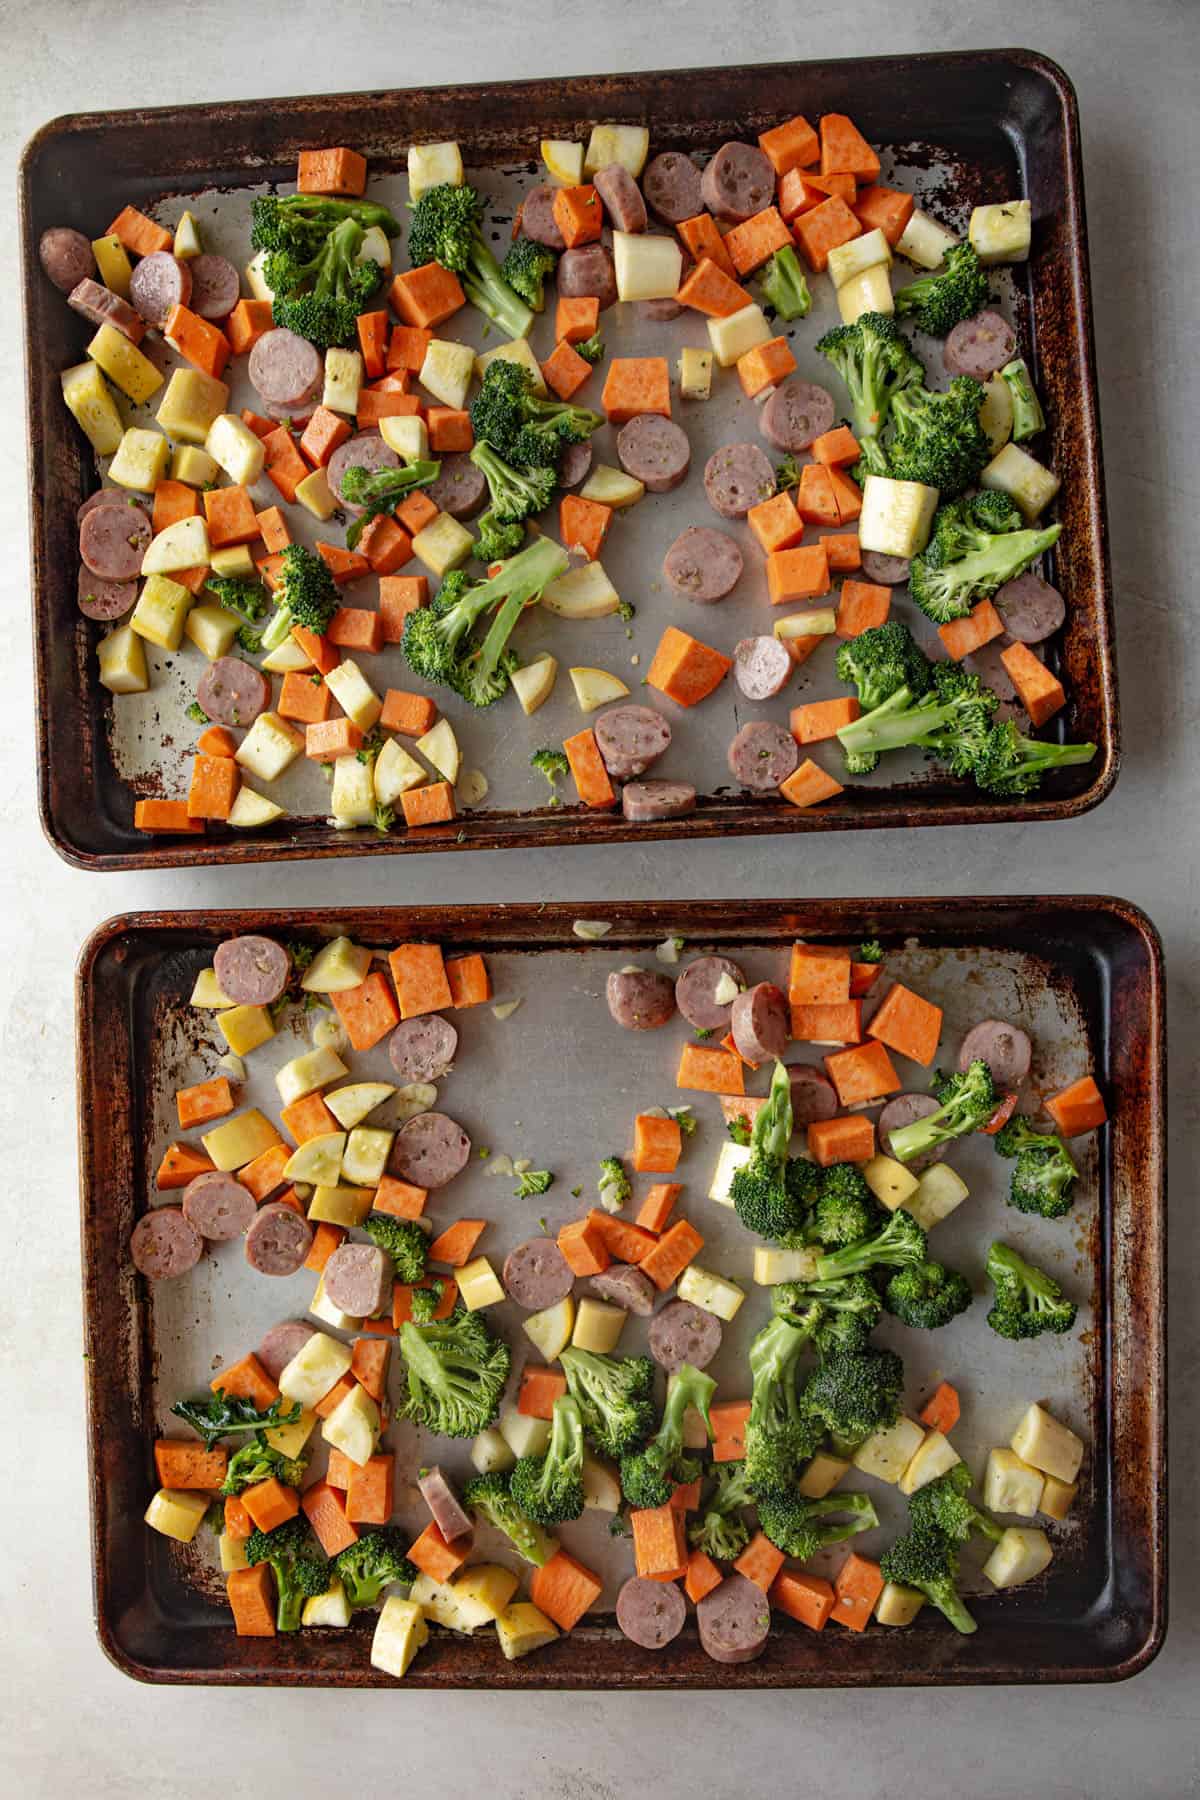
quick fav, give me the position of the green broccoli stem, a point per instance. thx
(1028, 417)
(487, 289)
(1037, 756)
(773, 1126)
(902, 720)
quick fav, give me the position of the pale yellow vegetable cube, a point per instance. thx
(191, 403)
(396, 772)
(1048, 1444)
(439, 1602)
(822, 1475)
(868, 251)
(376, 247)
(596, 687)
(517, 351)
(141, 462)
(534, 684)
(773, 1266)
(400, 1631)
(318, 1160)
(207, 993)
(251, 810)
(191, 465)
(447, 370)
(695, 1432)
(90, 402)
(730, 1158)
(1011, 1485)
(122, 659)
(212, 629)
(490, 1455)
(478, 1284)
(695, 374)
(408, 436)
(934, 1457)
(870, 291)
(820, 622)
(1058, 1497)
(939, 1191)
(624, 144)
(440, 747)
(290, 1440)
(176, 1513)
(522, 1627)
(306, 1073)
(647, 267)
(161, 612)
(232, 1552)
(187, 238)
(612, 487)
(551, 1329)
(898, 1605)
(484, 1589)
(288, 659)
(1001, 233)
(523, 1435)
(563, 160)
(1022, 1553)
(322, 1307)
(924, 242)
(584, 592)
(598, 1326)
(237, 1141)
(365, 1156)
(244, 1028)
(236, 449)
(256, 277)
(336, 968)
(330, 1608)
(433, 165)
(346, 1206)
(353, 1426)
(351, 1105)
(183, 545)
(890, 1182)
(269, 747)
(996, 413)
(352, 796)
(1023, 478)
(731, 337)
(354, 694)
(112, 264)
(887, 1453)
(124, 364)
(233, 560)
(713, 1293)
(896, 516)
(443, 545)
(601, 1488)
(343, 380)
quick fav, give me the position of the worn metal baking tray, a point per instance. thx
(956, 129)
(553, 1082)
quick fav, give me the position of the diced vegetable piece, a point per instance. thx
(714, 1293)
(596, 687)
(433, 165)
(870, 291)
(337, 1205)
(524, 1434)
(177, 1513)
(1023, 1552)
(316, 1368)
(939, 1191)
(353, 1426)
(924, 242)
(534, 684)
(122, 659)
(319, 1161)
(1048, 1444)
(896, 516)
(551, 1329)
(1022, 477)
(238, 1141)
(773, 1266)
(351, 1105)
(898, 1605)
(1058, 1497)
(935, 1455)
(304, 1074)
(888, 1452)
(822, 1475)
(400, 1630)
(738, 332)
(891, 1183)
(624, 144)
(730, 1158)
(866, 252)
(582, 593)
(490, 1454)
(440, 747)
(1001, 233)
(479, 1285)
(598, 1326)
(1011, 1485)
(523, 1627)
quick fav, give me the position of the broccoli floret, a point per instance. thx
(371, 1564)
(780, 1434)
(794, 1526)
(520, 426)
(927, 1561)
(977, 544)
(455, 1371)
(257, 1461)
(720, 1531)
(532, 1181)
(220, 1415)
(937, 303)
(784, 286)
(787, 475)
(549, 1488)
(196, 713)
(1043, 1174)
(236, 594)
(942, 1505)
(491, 1495)
(1028, 1301)
(838, 1315)
(845, 1208)
(615, 1396)
(404, 1242)
(591, 349)
(950, 719)
(1009, 764)
(320, 298)
(738, 1129)
(613, 1185)
(898, 1245)
(927, 1296)
(854, 1393)
(938, 438)
(761, 1196)
(877, 362)
(871, 951)
(553, 764)
(437, 642)
(649, 1475)
(381, 491)
(515, 496)
(426, 1299)
(445, 228)
(1028, 417)
(497, 541)
(525, 269)
(879, 661)
(803, 1181)
(299, 1573)
(307, 595)
(967, 1101)
(301, 222)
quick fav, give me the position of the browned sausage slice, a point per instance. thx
(682, 1333)
(159, 282)
(101, 306)
(762, 667)
(640, 999)
(281, 1343)
(537, 218)
(631, 739)
(796, 414)
(644, 801)
(286, 370)
(734, 1621)
(104, 600)
(1031, 608)
(537, 1275)
(278, 1240)
(650, 1613)
(761, 1023)
(654, 451)
(979, 346)
(889, 570)
(218, 1206)
(763, 755)
(460, 489)
(671, 184)
(113, 540)
(366, 450)
(66, 256)
(695, 992)
(422, 1049)
(622, 197)
(814, 1096)
(628, 1287)
(738, 182)
(430, 1150)
(585, 271)
(703, 564)
(657, 312)
(216, 286)
(737, 477)
(109, 496)
(575, 465)
(904, 1110)
(439, 1496)
(233, 692)
(358, 1279)
(1005, 1049)
(252, 970)
(163, 1244)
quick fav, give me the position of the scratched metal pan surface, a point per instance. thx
(954, 129)
(558, 1082)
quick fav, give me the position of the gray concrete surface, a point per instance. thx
(69, 1720)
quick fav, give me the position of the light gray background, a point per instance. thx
(69, 1719)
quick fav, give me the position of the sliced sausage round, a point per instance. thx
(537, 1275)
(286, 370)
(906, 1109)
(761, 1023)
(890, 571)
(695, 992)
(738, 182)
(460, 489)
(814, 1096)
(796, 414)
(575, 465)
(277, 1241)
(671, 184)
(703, 564)
(104, 600)
(644, 801)
(1005, 1049)
(422, 1049)
(430, 1150)
(218, 1206)
(537, 218)
(159, 282)
(631, 739)
(640, 999)
(622, 197)
(108, 496)
(682, 1333)
(216, 286)
(113, 540)
(655, 451)
(358, 1279)
(366, 450)
(447, 1509)
(587, 271)
(737, 477)
(763, 755)
(650, 1613)
(66, 256)
(628, 1287)
(734, 1620)
(164, 1244)
(762, 667)
(233, 692)
(252, 970)
(1031, 608)
(100, 306)
(281, 1343)
(979, 346)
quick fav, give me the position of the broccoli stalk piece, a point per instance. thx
(951, 719)
(220, 1415)
(938, 438)
(404, 1242)
(372, 1564)
(899, 1245)
(454, 1374)
(784, 286)
(381, 491)
(720, 1531)
(514, 494)
(1028, 1301)
(1028, 417)
(491, 1496)
(793, 1524)
(761, 1196)
(553, 764)
(1043, 1174)
(306, 596)
(876, 362)
(614, 1186)
(942, 1506)
(967, 1102)
(549, 1488)
(937, 303)
(976, 545)
(445, 228)
(780, 1434)
(787, 475)
(927, 1561)
(437, 641)
(1009, 764)
(525, 269)
(880, 661)
(257, 1461)
(927, 1295)
(854, 1393)
(299, 1573)
(531, 1182)
(321, 299)
(301, 222)
(591, 349)
(615, 1397)
(649, 1475)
